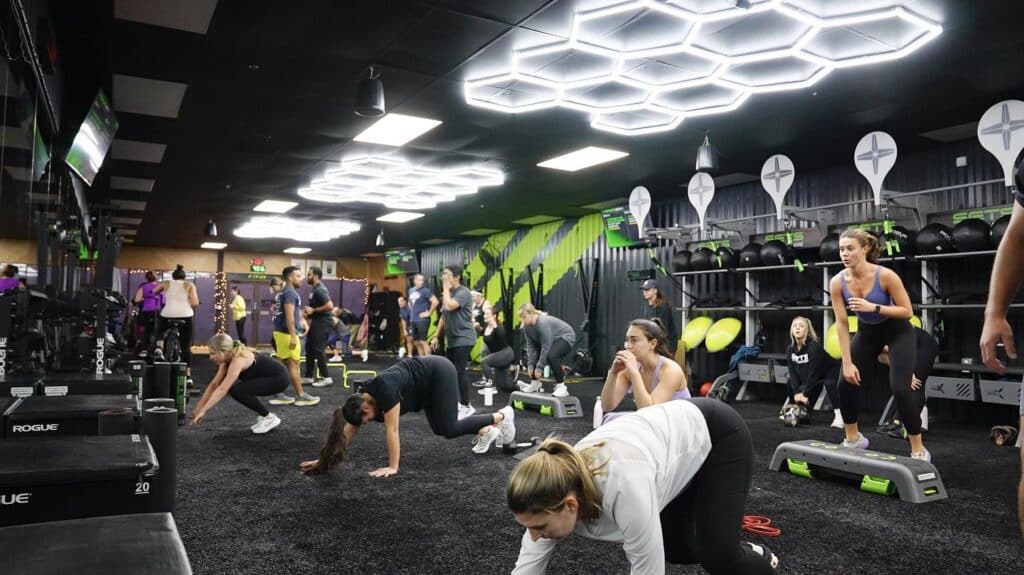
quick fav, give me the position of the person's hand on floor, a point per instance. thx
(384, 472)
(307, 466)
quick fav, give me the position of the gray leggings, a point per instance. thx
(495, 367)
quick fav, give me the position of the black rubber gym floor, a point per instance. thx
(243, 507)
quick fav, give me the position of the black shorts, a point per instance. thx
(418, 328)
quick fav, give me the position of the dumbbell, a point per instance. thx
(512, 449)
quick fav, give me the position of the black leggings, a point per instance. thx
(316, 342)
(702, 524)
(249, 391)
(184, 330)
(495, 366)
(898, 334)
(148, 321)
(240, 328)
(460, 357)
(557, 354)
(442, 397)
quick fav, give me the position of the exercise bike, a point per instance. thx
(171, 351)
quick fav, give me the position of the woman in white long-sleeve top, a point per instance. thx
(669, 481)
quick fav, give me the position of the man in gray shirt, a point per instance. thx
(456, 324)
(548, 342)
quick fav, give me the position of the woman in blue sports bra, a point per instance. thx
(878, 297)
(646, 367)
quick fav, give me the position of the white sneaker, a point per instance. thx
(507, 425)
(365, 355)
(265, 424)
(323, 382)
(533, 387)
(401, 352)
(837, 421)
(466, 410)
(482, 382)
(561, 390)
(335, 359)
(860, 443)
(922, 455)
(481, 443)
(306, 399)
(924, 421)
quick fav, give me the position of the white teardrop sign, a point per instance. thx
(777, 175)
(701, 191)
(874, 157)
(1001, 132)
(640, 206)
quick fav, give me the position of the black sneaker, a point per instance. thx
(899, 432)
(889, 426)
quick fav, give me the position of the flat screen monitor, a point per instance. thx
(402, 261)
(93, 139)
(620, 229)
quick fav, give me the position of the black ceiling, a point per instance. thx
(270, 91)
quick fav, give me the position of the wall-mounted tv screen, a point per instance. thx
(620, 229)
(93, 139)
(402, 261)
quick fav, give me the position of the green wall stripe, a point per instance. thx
(519, 257)
(476, 269)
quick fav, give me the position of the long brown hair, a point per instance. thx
(659, 300)
(866, 239)
(335, 446)
(654, 329)
(542, 481)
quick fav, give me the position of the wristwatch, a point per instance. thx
(878, 308)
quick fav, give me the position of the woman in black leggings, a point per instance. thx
(548, 341)
(429, 384)
(669, 481)
(245, 376)
(877, 296)
(497, 365)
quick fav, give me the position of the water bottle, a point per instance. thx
(488, 393)
(598, 413)
(547, 372)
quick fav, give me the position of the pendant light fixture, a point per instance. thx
(707, 156)
(210, 229)
(380, 238)
(370, 95)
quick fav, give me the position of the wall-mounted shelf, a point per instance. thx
(756, 308)
(701, 272)
(954, 255)
(960, 305)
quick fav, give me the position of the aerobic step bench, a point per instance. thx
(546, 404)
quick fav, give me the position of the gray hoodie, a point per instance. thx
(542, 334)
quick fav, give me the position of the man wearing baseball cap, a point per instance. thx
(660, 308)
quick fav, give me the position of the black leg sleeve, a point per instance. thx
(902, 357)
(248, 392)
(864, 349)
(460, 357)
(558, 353)
(186, 341)
(441, 404)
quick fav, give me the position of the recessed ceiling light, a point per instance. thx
(213, 245)
(399, 217)
(298, 251)
(582, 158)
(296, 230)
(274, 206)
(396, 130)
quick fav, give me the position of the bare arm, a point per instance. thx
(219, 377)
(138, 296)
(450, 303)
(289, 318)
(193, 295)
(1007, 273)
(615, 386)
(901, 308)
(843, 330)
(161, 287)
(671, 380)
(221, 389)
(433, 304)
(394, 445)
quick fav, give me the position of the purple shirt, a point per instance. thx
(7, 283)
(151, 302)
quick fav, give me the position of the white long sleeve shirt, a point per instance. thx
(652, 456)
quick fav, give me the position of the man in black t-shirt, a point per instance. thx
(318, 312)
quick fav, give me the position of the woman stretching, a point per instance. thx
(429, 384)
(245, 376)
(548, 342)
(877, 296)
(670, 482)
(498, 365)
(646, 367)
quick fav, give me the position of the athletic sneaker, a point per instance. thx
(515, 372)
(481, 443)
(306, 399)
(899, 432)
(763, 551)
(466, 410)
(365, 354)
(282, 399)
(507, 425)
(837, 421)
(401, 352)
(533, 387)
(560, 390)
(889, 426)
(265, 424)
(335, 359)
(323, 382)
(860, 443)
(924, 418)
(482, 382)
(922, 455)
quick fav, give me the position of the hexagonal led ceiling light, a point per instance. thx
(643, 66)
(397, 184)
(298, 230)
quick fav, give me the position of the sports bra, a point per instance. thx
(877, 296)
(655, 380)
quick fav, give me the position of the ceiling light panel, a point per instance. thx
(274, 206)
(397, 184)
(400, 217)
(638, 66)
(582, 158)
(213, 245)
(396, 130)
(297, 230)
(298, 251)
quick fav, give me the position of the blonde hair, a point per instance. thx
(222, 343)
(528, 309)
(866, 239)
(811, 334)
(542, 481)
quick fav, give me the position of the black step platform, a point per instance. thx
(57, 478)
(121, 545)
(69, 415)
(78, 383)
(18, 385)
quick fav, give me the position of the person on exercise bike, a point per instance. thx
(181, 300)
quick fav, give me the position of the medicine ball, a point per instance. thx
(829, 248)
(775, 253)
(726, 258)
(750, 255)
(702, 259)
(999, 228)
(902, 241)
(935, 239)
(973, 235)
(681, 261)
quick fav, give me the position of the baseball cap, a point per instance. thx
(649, 284)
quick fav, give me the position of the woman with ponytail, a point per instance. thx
(646, 368)
(669, 482)
(245, 376)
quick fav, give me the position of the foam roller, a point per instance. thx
(160, 424)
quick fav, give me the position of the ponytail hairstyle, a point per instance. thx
(654, 329)
(150, 276)
(222, 343)
(178, 273)
(866, 239)
(335, 446)
(542, 481)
